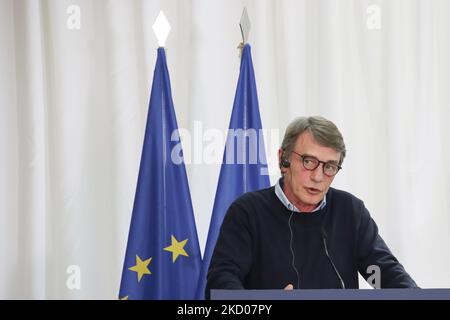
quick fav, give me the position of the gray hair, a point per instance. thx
(324, 131)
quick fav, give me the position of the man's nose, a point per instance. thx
(317, 174)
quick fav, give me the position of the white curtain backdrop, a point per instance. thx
(73, 106)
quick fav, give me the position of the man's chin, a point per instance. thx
(313, 200)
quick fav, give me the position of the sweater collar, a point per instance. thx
(285, 201)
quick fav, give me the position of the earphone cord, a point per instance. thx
(292, 251)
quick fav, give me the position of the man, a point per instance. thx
(302, 233)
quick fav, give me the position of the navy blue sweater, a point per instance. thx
(253, 248)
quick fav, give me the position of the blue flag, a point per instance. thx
(244, 166)
(163, 258)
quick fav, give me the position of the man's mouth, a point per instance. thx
(313, 191)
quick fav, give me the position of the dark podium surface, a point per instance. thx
(332, 294)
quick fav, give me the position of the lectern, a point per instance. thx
(333, 294)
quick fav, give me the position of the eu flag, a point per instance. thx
(163, 258)
(244, 166)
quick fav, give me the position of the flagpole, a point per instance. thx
(238, 174)
(163, 258)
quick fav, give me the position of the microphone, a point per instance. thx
(324, 240)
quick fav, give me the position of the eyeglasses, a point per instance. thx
(311, 163)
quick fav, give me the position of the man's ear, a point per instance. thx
(280, 156)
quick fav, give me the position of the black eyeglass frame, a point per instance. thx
(318, 164)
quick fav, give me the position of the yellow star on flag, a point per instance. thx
(141, 267)
(177, 248)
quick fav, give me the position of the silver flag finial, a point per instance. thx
(161, 28)
(245, 25)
